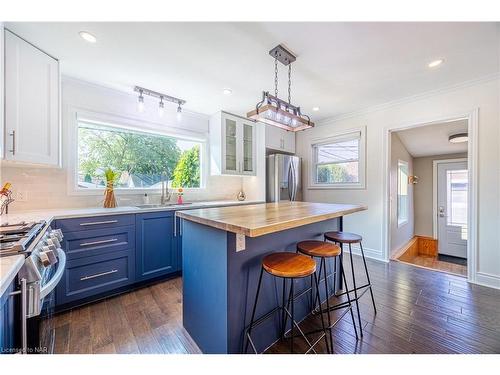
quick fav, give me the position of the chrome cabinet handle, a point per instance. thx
(97, 275)
(24, 314)
(13, 135)
(99, 222)
(175, 225)
(98, 242)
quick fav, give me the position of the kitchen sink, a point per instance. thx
(158, 205)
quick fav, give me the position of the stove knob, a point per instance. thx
(58, 233)
(53, 240)
(44, 258)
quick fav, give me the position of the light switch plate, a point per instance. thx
(21, 196)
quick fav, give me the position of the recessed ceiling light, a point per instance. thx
(88, 36)
(227, 91)
(435, 63)
(458, 138)
(315, 109)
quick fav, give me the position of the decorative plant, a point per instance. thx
(180, 193)
(109, 194)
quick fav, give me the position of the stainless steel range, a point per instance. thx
(42, 270)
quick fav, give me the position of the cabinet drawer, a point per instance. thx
(94, 222)
(98, 241)
(89, 276)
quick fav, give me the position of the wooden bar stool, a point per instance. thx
(342, 238)
(324, 251)
(288, 266)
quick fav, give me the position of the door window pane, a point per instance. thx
(456, 186)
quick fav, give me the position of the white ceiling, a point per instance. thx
(341, 67)
(433, 139)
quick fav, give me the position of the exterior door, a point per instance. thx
(452, 187)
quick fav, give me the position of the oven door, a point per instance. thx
(41, 328)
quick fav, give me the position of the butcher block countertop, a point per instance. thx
(260, 219)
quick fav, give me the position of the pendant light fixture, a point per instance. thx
(275, 111)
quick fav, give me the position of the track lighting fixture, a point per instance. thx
(161, 105)
(140, 103)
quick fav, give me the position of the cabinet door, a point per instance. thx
(9, 322)
(31, 103)
(247, 162)
(274, 137)
(229, 144)
(289, 142)
(156, 245)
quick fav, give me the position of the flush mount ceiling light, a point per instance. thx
(227, 91)
(435, 63)
(315, 109)
(163, 97)
(458, 138)
(88, 37)
(275, 111)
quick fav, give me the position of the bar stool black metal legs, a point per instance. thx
(288, 266)
(324, 250)
(342, 238)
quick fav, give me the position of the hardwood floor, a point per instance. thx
(419, 311)
(436, 264)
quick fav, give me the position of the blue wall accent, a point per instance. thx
(204, 265)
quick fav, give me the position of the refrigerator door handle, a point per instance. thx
(292, 181)
(290, 185)
(295, 182)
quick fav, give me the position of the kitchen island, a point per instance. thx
(221, 253)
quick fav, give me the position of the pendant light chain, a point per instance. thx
(290, 83)
(276, 75)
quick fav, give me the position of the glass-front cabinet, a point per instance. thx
(233, 145)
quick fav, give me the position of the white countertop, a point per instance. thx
(64, 213)
(9, 267)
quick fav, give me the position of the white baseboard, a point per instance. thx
(487, 279)
(369, 253)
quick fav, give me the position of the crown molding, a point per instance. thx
(409, 99)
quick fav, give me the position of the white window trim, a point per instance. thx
(402, 223)
(76, 114)
(347, 134)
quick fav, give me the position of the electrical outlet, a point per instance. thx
(21, 196)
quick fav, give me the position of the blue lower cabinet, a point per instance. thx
(156, 245)
(90, 276)
(10, 321)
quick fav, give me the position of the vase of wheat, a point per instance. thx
(109, 193)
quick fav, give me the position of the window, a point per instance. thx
(142, 159)
(457, 184)
(338, 162)
(403, 202)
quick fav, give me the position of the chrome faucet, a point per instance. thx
(165, 194)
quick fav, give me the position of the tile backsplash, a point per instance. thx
(47, 188)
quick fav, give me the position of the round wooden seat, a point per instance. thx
(343, 237)
(289, 265)
(321, 249)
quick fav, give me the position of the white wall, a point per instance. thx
(48, 187)
(400, 235)
(422, 197)
(424, 108)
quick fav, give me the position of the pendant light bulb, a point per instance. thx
(179, 113)
(140, 103)
(161, 107)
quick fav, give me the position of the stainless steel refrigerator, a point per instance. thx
(283, 178)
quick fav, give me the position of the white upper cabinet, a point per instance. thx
(32, 128)
(280, 139)
(232, 145)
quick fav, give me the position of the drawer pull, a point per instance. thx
(97, 275)
(98, 242)
(99, 222)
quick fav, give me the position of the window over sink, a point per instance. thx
(338, 161)
(143, 159)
